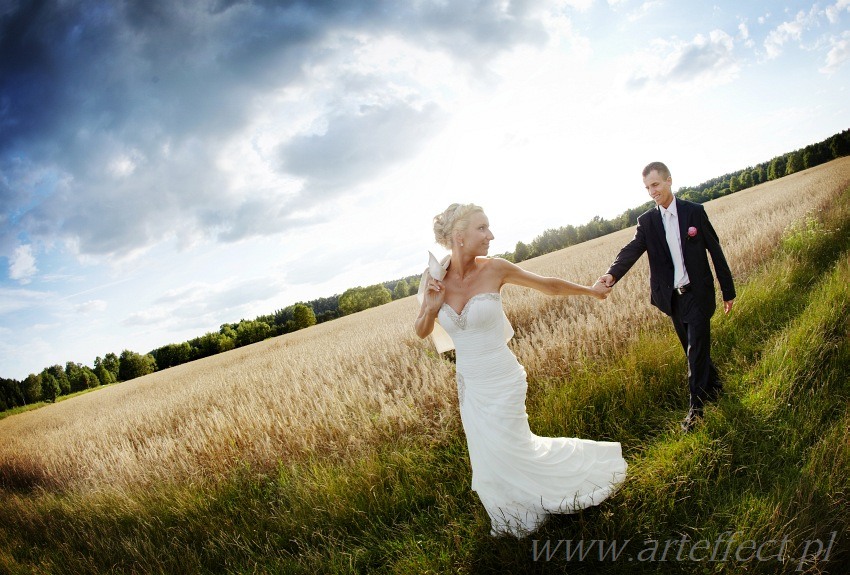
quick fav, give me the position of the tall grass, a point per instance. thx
(340, 450)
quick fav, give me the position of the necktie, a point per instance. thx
(671, 229)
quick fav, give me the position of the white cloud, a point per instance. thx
(784, 33)
(584, 5)
(12, 300)
(745, 36)
(707, 60)
(644, 9)
(153, 316)
(122, 166)
(91, 306)
(200, 302)
(838, 54)
(833, 13)
(22, 264)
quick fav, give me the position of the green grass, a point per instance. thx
(770, 464)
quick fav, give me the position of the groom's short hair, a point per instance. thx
(659, 167)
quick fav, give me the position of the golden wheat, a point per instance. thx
(340, 387)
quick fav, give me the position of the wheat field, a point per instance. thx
(342, 387)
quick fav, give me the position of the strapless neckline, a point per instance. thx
(486, 294)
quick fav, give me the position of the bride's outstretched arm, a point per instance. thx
(513, 274)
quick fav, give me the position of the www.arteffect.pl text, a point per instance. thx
(729, 546)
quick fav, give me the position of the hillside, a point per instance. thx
(338, 448)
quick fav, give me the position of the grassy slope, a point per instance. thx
(771, 461)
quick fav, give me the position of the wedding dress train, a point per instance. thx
(519, 477)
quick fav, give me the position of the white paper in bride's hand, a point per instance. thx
(434, 268)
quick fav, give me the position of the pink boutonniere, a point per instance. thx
(692, 232)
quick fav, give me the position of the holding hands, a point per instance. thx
(607, 280)
(600, 289)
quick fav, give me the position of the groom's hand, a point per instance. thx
(607, 280)
(600, 290)
(727, 306)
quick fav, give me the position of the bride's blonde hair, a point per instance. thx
(455, 218)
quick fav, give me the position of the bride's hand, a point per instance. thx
(600, 290)
(435, 295)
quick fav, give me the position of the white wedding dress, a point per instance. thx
(519, 477)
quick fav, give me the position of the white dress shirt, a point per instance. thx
(670, 218)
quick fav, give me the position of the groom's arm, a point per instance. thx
(629, 254)
(721, 267)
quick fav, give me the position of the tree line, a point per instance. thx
(55, 380)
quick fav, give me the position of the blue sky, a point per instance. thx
(166, 167)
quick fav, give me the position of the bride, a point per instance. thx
(518, 476)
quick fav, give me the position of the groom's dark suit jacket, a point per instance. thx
(650, 238)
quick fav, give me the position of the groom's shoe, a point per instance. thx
(691, 420)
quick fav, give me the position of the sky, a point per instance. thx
(167, 167)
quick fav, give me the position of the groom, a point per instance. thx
(676, 235)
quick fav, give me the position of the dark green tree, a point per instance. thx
(11, 394)
(110, 363)
(61, 378)
(414, 283)
(303, 316)
(816, 154)
(360, 298)
(49, 387)
(595, 228)
(31, 388)
(794, 164)
(135, 365)
(282, 321)
(104, 376)
(776, 168)
(172, 354)
(90, 378)
(839, 144)
(74, 372)
(209, 344)
(80, 377)
(248, 332)
(522, 252)
(401, 289)
(228, 330)
(734, 184)
(326, 307)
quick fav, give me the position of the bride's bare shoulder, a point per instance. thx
(497, 266)
(494, 262)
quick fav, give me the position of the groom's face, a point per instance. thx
(660, 189)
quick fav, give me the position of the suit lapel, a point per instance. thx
(657, 223)
(658, 226)
(684, 217)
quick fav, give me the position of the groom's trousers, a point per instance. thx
(694, 331)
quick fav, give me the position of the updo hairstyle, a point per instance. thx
(455, 218)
